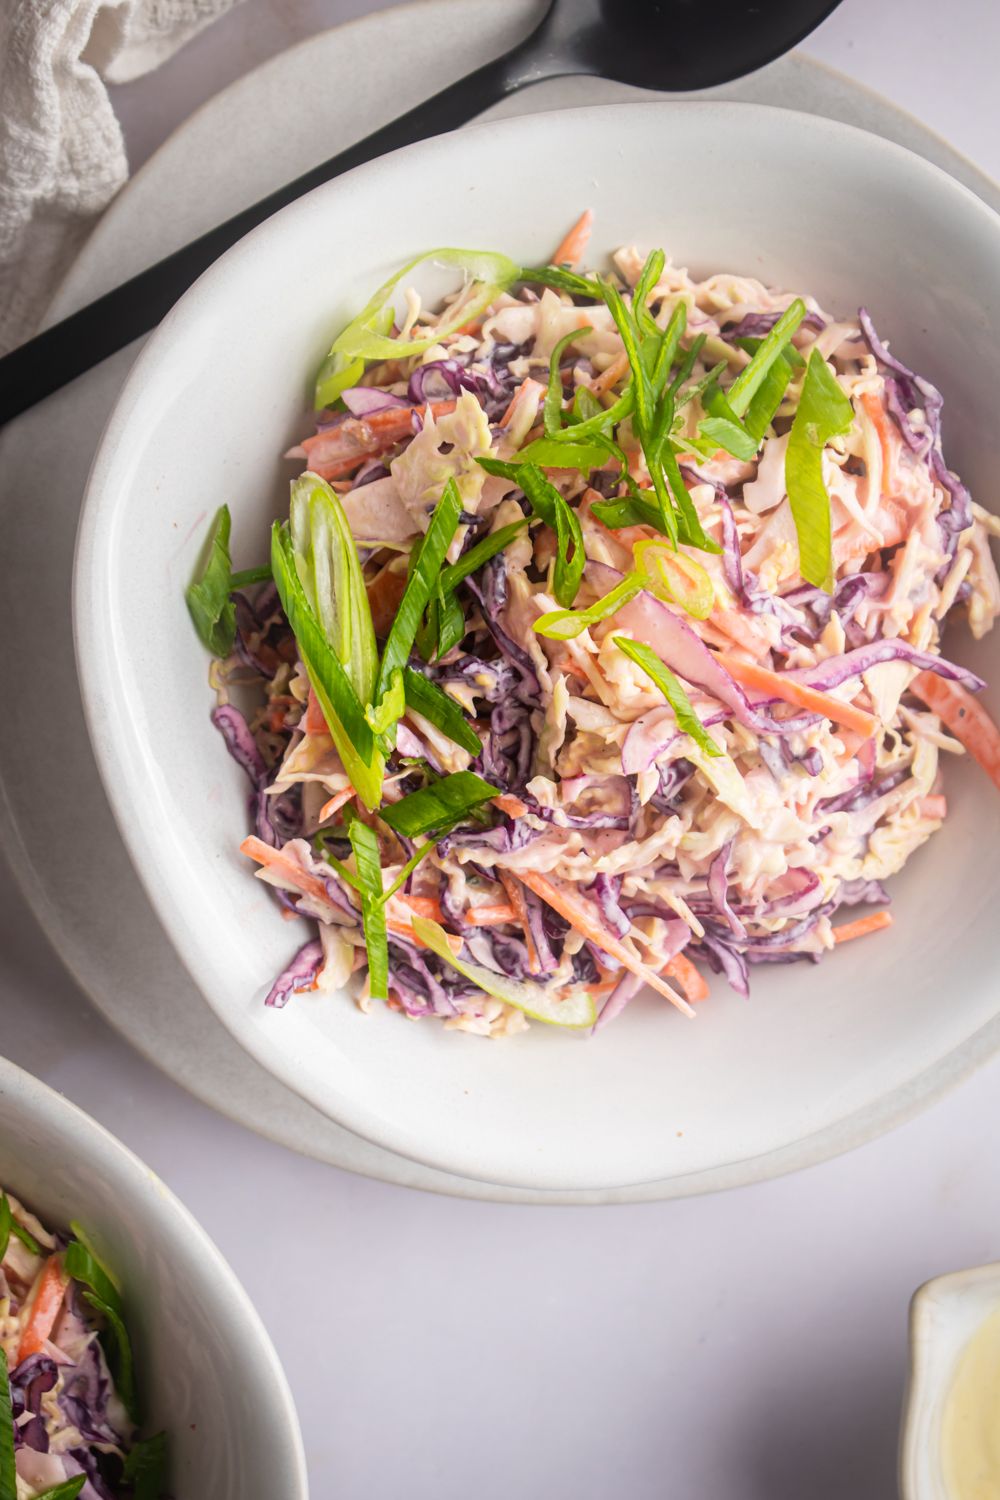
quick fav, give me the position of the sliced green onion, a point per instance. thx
(471, 561)
(420, 584)
(567, 624)
(80, 1263)
(494, 273)
(689, 527)
(823, 412)
(661, 676)
(769, 396)
(632, 511)
(433, 704)
(8, 1471)
(6, 1223)
(208, 601)
(666, 352)
(742, 390)
(391, 707)
(561, 281)
(26, 1237)
(549, 505)
(339, 372)
(326, 558)
(342, 708)
(536, 1000)
(675, 578)
(608, 418)
(451, 623)
(648, 277)
(549, 453)
(146, 1467)
(369, 868)
(407, 870)
(723, 427)
(83, 1265)
(439, 806)
(702, 385)
(585, 405)
(687, 364)
(789, 354)
(629, 333)
(68, 1490)
(552, 409)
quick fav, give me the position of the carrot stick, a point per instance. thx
(763, 680)
(273, 859)
(876, 415)
(422, 906)
(616, 369)
(511, 805)
(570, 251)
(691, 982)
(335, 803)
(873, 923)
(965, 716)
(524, 390)
(48, 1300)
(933, 807)
(340, 450)
(515, 895)
(490, 916)
(581, 915)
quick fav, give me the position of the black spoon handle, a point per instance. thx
(67, 349)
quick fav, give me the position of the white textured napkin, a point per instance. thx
(62, 156)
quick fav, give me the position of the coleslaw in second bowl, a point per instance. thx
(602, 641)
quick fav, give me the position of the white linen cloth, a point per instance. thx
(62, 155)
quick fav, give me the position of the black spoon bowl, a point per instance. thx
(667, 45)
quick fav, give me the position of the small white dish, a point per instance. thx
(218, 394)
(208, 1372)
(945, 1315)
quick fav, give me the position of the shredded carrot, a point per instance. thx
(778, 685)
(511, 805)
(876, 415)
(524, 390)
(405, 930)
(611, 376)
(490, 916)
(965, 716)
(50, 1289)
(933, 807)
(314, 722)
(340, 450)
(422, 906)
(873, 923)
(852, 742)
(335, 803)
(515, 895)
(690, 980)
(582, 916)
(274, 859)
(570, 251)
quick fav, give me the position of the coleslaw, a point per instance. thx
(68, 1407)
(602, 644)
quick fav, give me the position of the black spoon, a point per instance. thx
(655, 44)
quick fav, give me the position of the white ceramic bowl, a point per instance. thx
(820, 1057)
(208, 1372)
(944, 1315)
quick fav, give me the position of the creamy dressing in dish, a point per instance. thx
(970, 1431)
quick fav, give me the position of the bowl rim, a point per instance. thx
(87, 1136)
(97, 683)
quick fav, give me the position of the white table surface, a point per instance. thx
(749, 1346)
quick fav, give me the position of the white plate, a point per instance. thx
(215, 398)
(52, 804)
